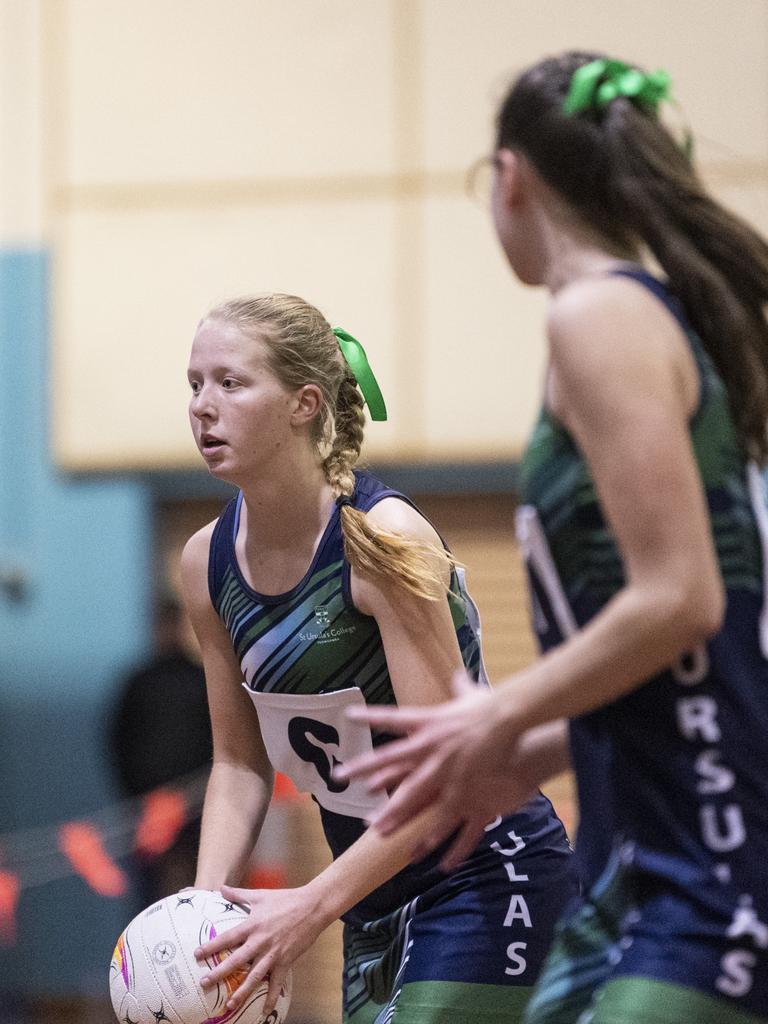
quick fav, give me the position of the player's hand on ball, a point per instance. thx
(278, 929)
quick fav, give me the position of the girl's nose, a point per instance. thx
(200, 404)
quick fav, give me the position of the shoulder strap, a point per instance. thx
(675, 307)
(659, 289)
(222, 546)
(369, 492)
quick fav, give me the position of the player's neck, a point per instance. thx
(572, 250)
(286, 511)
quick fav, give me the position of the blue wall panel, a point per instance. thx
(83, 546)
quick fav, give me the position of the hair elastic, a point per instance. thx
(595, 85)
(357, 361)
(343, 499)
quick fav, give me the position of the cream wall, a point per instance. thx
(198, 149)
(21, 155)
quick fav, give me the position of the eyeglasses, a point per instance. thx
(479, 178)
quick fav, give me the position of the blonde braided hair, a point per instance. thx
(302, 349)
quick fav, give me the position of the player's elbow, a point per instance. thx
(714, 614)
(697, 610)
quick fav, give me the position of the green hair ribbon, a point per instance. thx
(595, 85)
(357, 361)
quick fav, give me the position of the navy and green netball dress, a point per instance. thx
(425, 946)
(676, 926)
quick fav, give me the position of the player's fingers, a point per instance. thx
(251, 982)
(448, 817)
(396, 720)
(427, 843)
(408, 750)
(389, 778)
(465, 842)
(408, 800)
(235, 966)
(408, 805)
(242, 897)
(462, 684)
(230, 939)
(277, 978)
(238, 961)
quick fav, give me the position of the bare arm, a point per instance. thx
(627, 406)
(241, 779)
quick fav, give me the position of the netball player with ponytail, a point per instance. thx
(644, 526)
(316, 591)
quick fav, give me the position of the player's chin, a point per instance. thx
(222, 469)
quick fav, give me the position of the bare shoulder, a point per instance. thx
(378, 595)
(611, 312)
(194, 567)
(396, 516)
(614, 331)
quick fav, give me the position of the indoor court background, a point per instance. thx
(157, 156)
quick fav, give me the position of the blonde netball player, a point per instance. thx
(318, 590)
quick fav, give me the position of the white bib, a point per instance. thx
(308, 734)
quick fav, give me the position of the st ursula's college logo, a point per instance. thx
(322, 616)
(324, 630)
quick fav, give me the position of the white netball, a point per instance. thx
(154, 976)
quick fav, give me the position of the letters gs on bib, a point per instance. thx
(301, 733)
(307, 735)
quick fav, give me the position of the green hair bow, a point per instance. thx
(595, 85)
(357, 361)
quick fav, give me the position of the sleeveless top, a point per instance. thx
(679, 767)
(307, 656)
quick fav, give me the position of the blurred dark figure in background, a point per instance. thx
(159, 733)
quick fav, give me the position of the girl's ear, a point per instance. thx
(307, 403)
(511, 170)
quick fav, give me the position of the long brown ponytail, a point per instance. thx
(302, 349)
(623, 172)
